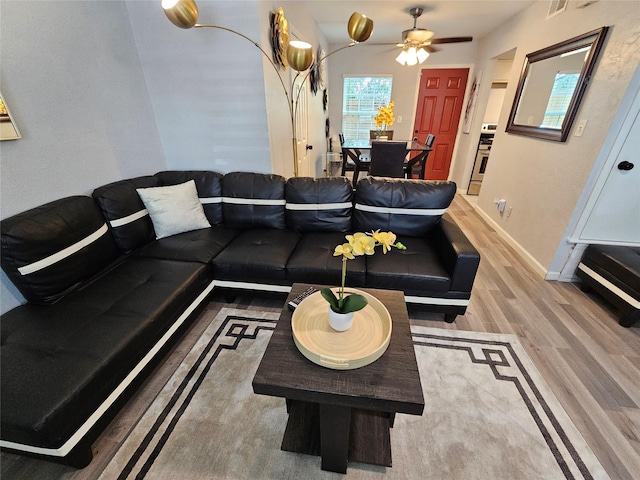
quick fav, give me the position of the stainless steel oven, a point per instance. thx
(482, 158)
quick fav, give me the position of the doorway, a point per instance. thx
(301, 106)
(490, 118)
(440, 99)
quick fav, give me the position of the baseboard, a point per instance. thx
(537, 266)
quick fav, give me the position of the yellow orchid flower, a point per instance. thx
(386, 239)
(357, 244)
(385, 116)
(346, 250)
(361, 244)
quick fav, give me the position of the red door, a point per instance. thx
(439, 106)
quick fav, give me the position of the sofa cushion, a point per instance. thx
(417, 270)
(256, 255)
(253, 200)
(127, 217)
(195, 246)
(49, 251)
(313, 260)
(60, 362)
(174, 208)
(208, 184)
(405, 207)
(319, 204)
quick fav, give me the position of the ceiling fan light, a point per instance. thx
(359, 27)
(299, 55)
(412, 56)
(182, 13)
(402, 58)
(422, 55)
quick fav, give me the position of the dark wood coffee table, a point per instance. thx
(343, 415)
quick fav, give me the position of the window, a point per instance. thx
(361, 98)
(561, 94)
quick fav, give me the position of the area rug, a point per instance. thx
(488, 415)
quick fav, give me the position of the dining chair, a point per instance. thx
(414, 168)
(353, 160)
(388, 159)
(347, 166)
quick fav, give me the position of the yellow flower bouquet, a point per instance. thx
(385, 117)
(357, 245)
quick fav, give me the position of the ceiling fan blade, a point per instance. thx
(451, 40)
(431, 49)
(384, 44)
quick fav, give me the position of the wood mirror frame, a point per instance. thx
(540, 74)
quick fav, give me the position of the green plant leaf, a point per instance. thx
(353, 303)
(330, 297)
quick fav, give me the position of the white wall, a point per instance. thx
(105, 90)
(494, 107)
(72, 77)
(543, 180)
(378, 60)
(206, 86)
(218, 101)
(279, 120)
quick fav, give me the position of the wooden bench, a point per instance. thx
(614, 272)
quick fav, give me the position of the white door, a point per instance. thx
(302, 126)
(613, 213)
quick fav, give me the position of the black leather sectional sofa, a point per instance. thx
(106, 298)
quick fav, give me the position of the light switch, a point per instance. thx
(399, 118)
(580, 128)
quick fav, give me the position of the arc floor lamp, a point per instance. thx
(184, 14)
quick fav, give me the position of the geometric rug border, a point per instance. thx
(493, 351)
(236, 331)
(496, 351)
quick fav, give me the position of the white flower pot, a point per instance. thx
(340, 321)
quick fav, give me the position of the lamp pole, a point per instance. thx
(184, 14)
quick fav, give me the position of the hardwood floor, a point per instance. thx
(590, 362)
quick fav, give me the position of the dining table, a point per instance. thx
(356, 149)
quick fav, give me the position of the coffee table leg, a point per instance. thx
(334, 437)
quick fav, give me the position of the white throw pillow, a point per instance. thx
(174, 209)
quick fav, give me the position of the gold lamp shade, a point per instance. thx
(299, 55)
(359, 27)
(182, 13)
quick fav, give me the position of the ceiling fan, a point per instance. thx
(417, 43)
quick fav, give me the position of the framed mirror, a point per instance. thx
(552, 85)
(8, 129)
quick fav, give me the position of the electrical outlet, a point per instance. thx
(580, 128)
(509, 210)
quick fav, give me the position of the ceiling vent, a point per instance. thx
(556, 7)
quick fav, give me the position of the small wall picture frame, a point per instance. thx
(8, 129)
(472, 103)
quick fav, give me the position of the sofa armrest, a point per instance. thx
(458, 255)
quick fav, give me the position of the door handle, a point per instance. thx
(309, 147)
(625, 165)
